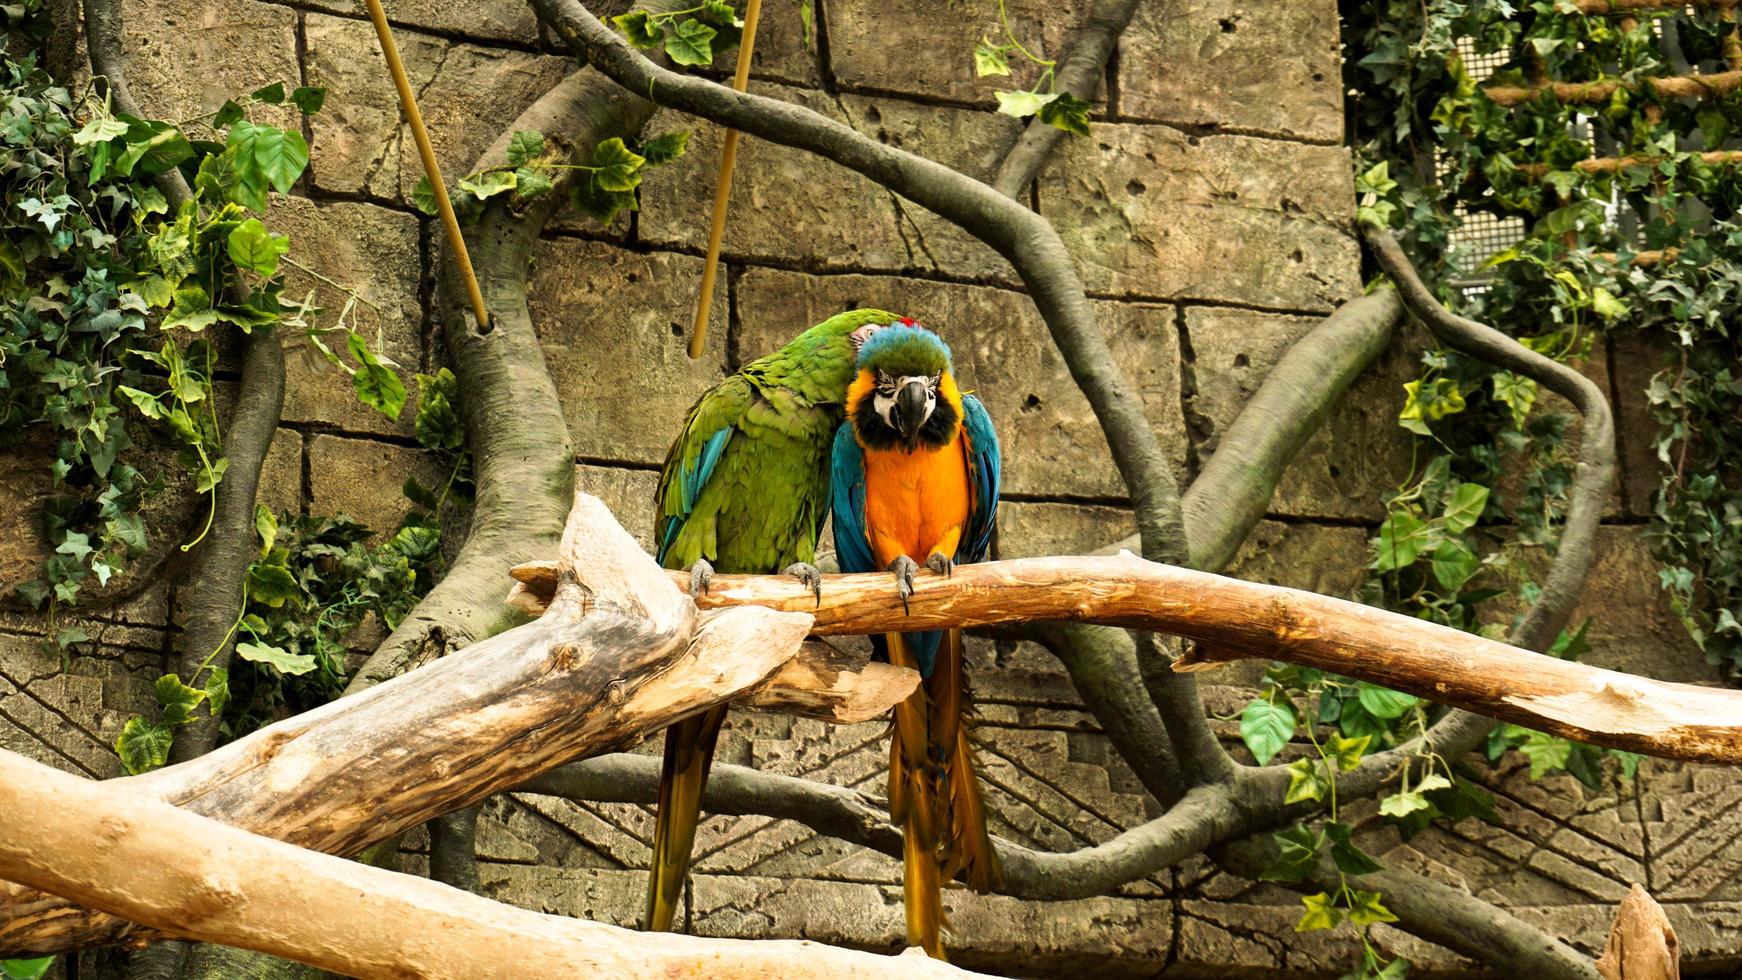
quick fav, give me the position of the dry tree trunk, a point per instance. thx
(118, 848)
(1233, 619)
(622, 652)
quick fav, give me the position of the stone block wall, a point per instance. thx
(1209, 213)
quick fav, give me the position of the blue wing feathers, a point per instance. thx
(983, 477)
(847, 501)
(690, 481)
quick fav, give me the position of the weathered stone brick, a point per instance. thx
(925, 49)
(1633, 627)
(490, 20)
(1637, 358)
(281, 474)
(629, 494)
(361, 479)
(1151, 211)
(1219, 64)
(175, 79)
(1050, 440)
(374, 252)
(783, 197)
(1356, 455)
(467, 93)
(614, 326)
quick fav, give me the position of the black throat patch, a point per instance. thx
(874, 433)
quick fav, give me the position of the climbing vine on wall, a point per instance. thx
(1624, 179)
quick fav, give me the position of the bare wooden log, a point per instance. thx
(114, 846)
(620, 653)
(1624, 7)
(1642, 943)
(1232, 619)
(1598, 92)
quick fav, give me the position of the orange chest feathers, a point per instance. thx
(915, 501)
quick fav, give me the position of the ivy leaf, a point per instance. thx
(264, 157)
(488, 184)
(1066, 112)
(208, 479)
(1347, 752)
(228, 114)
(638, 27)
(178, 699)
(252, 247)
(265, 525)
(1401, 540)
(271, 95)
(277, 658)
(217, 690)
(1466, 505)
(990, 59)
(1605, 305)
(1383, 702)
(31, 969)
(1454, 564)
(1546, 753)
(438, 425)
(99, 131)
(423, 197)
(376, 384)
(1266, 727)
(1022, 104)
(524, 146)
(529, 183)
(308, 99)
(143, 745)
(689, 42)
(1298, 857)
(599, 204)
(1348, 857)
(1517, 393)
(152, 147)
(1321, 913)
(1304, 782)
(1365, 909)
(417, 543)
(272, 585)
(617, 168)
(76, 545)
(665, 147)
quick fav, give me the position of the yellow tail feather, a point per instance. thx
(934, 795)
(689, 752)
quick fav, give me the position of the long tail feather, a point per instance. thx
(913, 805)
(689, 752)
(966, 849)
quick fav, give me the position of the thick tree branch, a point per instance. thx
(116, 847)
(1079, 73)
(1202, 816)
(521, 454)
(1439, 913)
(621, 653)
(1233, 619)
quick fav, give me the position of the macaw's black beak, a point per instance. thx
(910, 411)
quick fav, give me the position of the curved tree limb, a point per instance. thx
(515, 429)
(116, 847)
(1439, 913)
(1079, 73)
(1594, 474)
(1203, 816)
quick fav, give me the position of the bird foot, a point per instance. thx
(810, 575)
(904, 568)
(941, 563)
(701, 576)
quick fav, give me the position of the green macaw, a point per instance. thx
(745, 489)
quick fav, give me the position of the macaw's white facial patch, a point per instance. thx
(859, 336)
(888, 389)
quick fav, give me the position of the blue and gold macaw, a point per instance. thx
(914, 482)
(745, 489)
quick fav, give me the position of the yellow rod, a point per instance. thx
(722, 190)
(408, 101)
